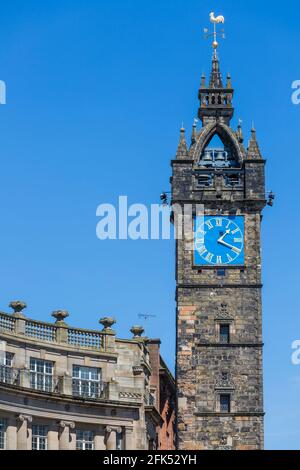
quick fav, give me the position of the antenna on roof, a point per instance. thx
(146, 316)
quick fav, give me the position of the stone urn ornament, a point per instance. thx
(107, 323)
(60, 316)
(137, 331)
(18, 307)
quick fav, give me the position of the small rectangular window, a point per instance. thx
(8, 359)
(225, 403)
(120, 441)
(233, 180)
(41, 375)
(204, 181)
(87, 382)
(84, 440)
(6, 370)
(3, 425)
(39, 437)
(221, 272)
(224, 333)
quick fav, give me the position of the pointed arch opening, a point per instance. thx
(219, 150)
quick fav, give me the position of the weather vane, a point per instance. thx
(215, 20)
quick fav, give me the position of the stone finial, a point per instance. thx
(107, 323)
(60, 316)
(239, 132)
(137, 331)
(194, 132)
(182, 149)
(18, 306)
(203, 81)
(253, 148)
(228, 82)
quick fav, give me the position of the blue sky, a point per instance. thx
(96, 94)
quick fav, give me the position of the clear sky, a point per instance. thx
(96, 94)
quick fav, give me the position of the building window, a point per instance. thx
(6, 371)
(84, 440)
(225, 403)
(8, 359)
(120, 441)
(39, 437)
(3, 426)
(221, 272)
(224, 333)
(41, 375)
(205, 181)
(87, 382)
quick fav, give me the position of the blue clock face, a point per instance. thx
(219, 240)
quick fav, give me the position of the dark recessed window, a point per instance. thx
(232, 180)
(221, 272)
(225, 403)
(224, 333)
(205, 181)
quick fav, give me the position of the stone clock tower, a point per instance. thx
(218, 281)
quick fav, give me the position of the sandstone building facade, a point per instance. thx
(65, 388)
(219, 306)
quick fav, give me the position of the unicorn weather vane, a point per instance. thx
(215, 20)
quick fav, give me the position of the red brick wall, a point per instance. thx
(162, 382)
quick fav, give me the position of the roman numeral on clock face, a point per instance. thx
(219, 259)
(202, 250)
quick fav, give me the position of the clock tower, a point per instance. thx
(218, 278)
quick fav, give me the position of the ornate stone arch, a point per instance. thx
(227, 136)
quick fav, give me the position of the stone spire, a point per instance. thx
(253, 148)
(182, 150)
(215, 75)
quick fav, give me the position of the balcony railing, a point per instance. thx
(53, 333)
(66, 386)
(89, 389)
(46, 382)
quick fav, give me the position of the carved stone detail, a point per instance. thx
(223, 313)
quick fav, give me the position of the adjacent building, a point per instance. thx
(69, 388)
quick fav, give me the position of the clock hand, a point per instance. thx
(234, 248)
(220, 240)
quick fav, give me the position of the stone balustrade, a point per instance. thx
(59, 332)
